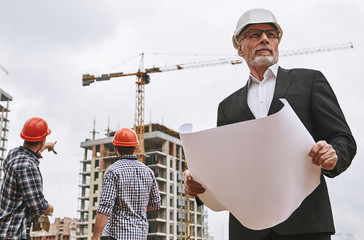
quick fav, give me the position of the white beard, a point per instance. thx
(266, 61)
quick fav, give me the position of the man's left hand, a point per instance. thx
(324, 155)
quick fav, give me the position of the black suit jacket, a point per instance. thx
(314, 102)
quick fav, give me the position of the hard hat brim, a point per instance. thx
(236, 41)
(125, 144)
(35, 139)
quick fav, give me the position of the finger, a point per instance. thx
(55, 143)
(320, 148)
(194, 191)
(188, 190)
(320, 160)
(321, 155)
(325, 153)
(329, 163)
(54, 151)
(193, 188)
(188, 176)
(316, 148)
(317, 158)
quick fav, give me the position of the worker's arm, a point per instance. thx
(106, 202)
(336, 146)
(101, 220)
(31, 187)
(49, 146)
(154, 195)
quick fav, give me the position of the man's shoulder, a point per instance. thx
(19, 158)
(14, 151)
(298, 71)
(232, 97)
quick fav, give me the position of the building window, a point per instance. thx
(96, 188)
(84, 204)
(94, 214)
(171, 175)
(96, 176)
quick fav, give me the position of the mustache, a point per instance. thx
(264, 48)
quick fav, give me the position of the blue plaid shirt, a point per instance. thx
(21, 196)
(128, 188)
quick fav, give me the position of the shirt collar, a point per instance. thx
(129, 157)
(32, 153)
(271, 71)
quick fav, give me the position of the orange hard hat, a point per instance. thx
(35, 130)
(125, 137)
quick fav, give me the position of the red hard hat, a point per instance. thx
(35, 130)
(125, 137)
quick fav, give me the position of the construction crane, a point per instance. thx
(143, 78)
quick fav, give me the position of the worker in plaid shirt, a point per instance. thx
(129, 190)
(21, 196)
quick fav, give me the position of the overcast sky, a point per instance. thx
(47, 45)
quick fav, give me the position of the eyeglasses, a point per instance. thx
(256, 33)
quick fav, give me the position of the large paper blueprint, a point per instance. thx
(259, 170)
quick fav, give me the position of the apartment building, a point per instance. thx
(179, 217)
(5, 98)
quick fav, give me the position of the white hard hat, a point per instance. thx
(255, 16)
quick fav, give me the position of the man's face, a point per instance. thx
(260, 51)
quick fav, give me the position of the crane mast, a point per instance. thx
(143, 79)
(139, 108)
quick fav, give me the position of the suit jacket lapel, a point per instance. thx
(283, 81)
(243, 103)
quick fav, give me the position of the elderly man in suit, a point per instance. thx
(256, 39)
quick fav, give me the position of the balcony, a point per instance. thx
(156, 159)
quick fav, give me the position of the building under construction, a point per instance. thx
(5, 98)
(179, 217)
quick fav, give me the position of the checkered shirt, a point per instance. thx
(128, 188)
(21, 196)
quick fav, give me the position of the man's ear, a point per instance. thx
(240, 50)
(43, 142)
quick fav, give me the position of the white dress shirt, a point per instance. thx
(260, 93)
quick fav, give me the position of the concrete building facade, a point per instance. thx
(5, 98)
(179, 217)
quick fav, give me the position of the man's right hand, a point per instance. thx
(192, 188)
